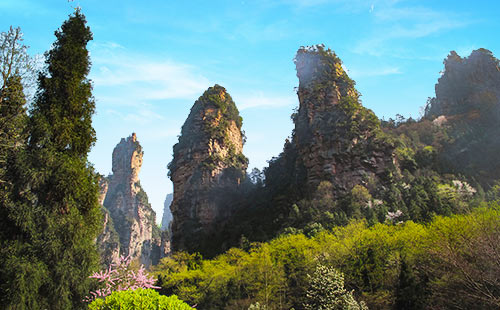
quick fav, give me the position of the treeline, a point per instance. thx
(49, 210)
(449, 263)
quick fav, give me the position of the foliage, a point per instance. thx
(141, 299)
(320, 64)
(217, 111)
(120, 277)
(463, 262)
(326, 291)
(405, 265)
(411, 291)
(13, 121)
(14, 60)
(53, 214)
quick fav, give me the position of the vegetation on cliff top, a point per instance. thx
(216, 111)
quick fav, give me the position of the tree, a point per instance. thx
(410, 291)
(55, 212)
(326, 292)
(464, 260)
(12, 139)
(19, 276)
(14, 60)
(15, 70)
(12, 120)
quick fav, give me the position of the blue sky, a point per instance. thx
(153, 58)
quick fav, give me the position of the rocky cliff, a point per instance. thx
(335, 138)
(207, 168)
(128, 212)
(467, 107)
(166, 219)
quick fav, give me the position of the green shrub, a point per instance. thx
(140, 299)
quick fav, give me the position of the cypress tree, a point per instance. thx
(21, 272)
(12, 139)
(12, 119)
(68, 214)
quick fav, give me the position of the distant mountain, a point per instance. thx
(467, 107)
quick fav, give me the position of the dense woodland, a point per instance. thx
(424, 234)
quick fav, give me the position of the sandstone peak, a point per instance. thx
(467, 85)
(336, 139)
(467, 108)
(208, 160)
(130, 213)
(127, 158)
(317, 65)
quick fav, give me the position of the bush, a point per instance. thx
(140, 299)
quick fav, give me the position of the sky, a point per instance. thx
(152, 59)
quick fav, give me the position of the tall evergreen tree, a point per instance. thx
(62, 212)
(12, 118)
(20, 271)
(411, 292)
(12, 139)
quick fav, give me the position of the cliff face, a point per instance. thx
(467, 107)
(335, 139)
(207, 167)
(128, 210)
(468, 85)
(108, 241)
(166, 219)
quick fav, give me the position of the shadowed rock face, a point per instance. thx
(467, 106)
(130, 213)
(469, 84)
(167, 214)
(336, 139)
(207, 168)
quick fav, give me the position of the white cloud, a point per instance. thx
(406, 13)
(142, 115)
(357, 73)
(149, 79)
(394, 24)
(350, 5)
(107, 45)
(253, 32)
(261, 100)
(134, 85)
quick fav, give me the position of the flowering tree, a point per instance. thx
(120, 277)
(326, 291)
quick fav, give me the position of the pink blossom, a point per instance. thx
(119, 277)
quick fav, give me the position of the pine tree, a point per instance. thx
(63, 213)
